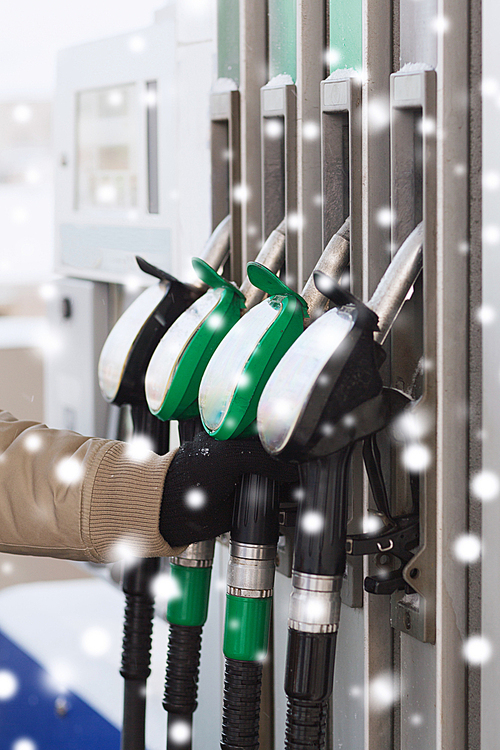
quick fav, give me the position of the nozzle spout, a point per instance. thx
(333, 261)
(216, 249)
(393, 288)
(271, 255)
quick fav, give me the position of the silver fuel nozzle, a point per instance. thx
(216, 249)
(271, 255)
(392, 290)
(333, 261)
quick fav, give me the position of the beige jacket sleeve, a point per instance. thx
(79, 498)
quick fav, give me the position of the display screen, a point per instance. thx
(107, 153)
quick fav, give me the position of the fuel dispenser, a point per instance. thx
(122, 366)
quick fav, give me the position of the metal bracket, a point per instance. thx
(413, 358)
(279, 169)
(226, 172)
(341, 178)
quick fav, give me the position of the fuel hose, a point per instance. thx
(186, 614)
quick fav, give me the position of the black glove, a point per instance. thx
(198, 493)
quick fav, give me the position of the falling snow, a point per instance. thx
(139, 448)
(137, 43)
(22, 113)
(95, 641)
(491, 180)
(427, 126)
(327, 429)
(310, 131)
(179, 732)
(9, 685)
(312, 522)
(69, 470)
(125, 550)
(416, 457)
(165, 587)
(60, 676)
(333, 57)
(195, 498)
(477, 650)
(241, 193)
(491, 234)
(215, 321)
(384, 217)
(467, 548)
(47, 291)
(489, 87)
(316, 609)
(295, 222)
(33, 442)
(372, 523)
(273, 128)
(485, 486)
(379, 114)
(24, 743)
(440, 24)
(412, 426)
(485, 315)
(383, 691)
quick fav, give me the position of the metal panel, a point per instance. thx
(440, 669)
(490, 435)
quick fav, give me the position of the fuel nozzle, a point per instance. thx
(326, 394)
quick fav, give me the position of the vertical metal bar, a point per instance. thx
(311, 69)
(476, 416)
(452, 291)
(279, 168)
(413, 177)
(369, 268)
(253, 75)
(341, 191)
(226, 171)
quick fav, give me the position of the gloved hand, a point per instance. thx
(198, 493)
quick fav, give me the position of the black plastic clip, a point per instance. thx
(398, 536)
(397, 540)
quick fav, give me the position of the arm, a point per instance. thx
(79, 498)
